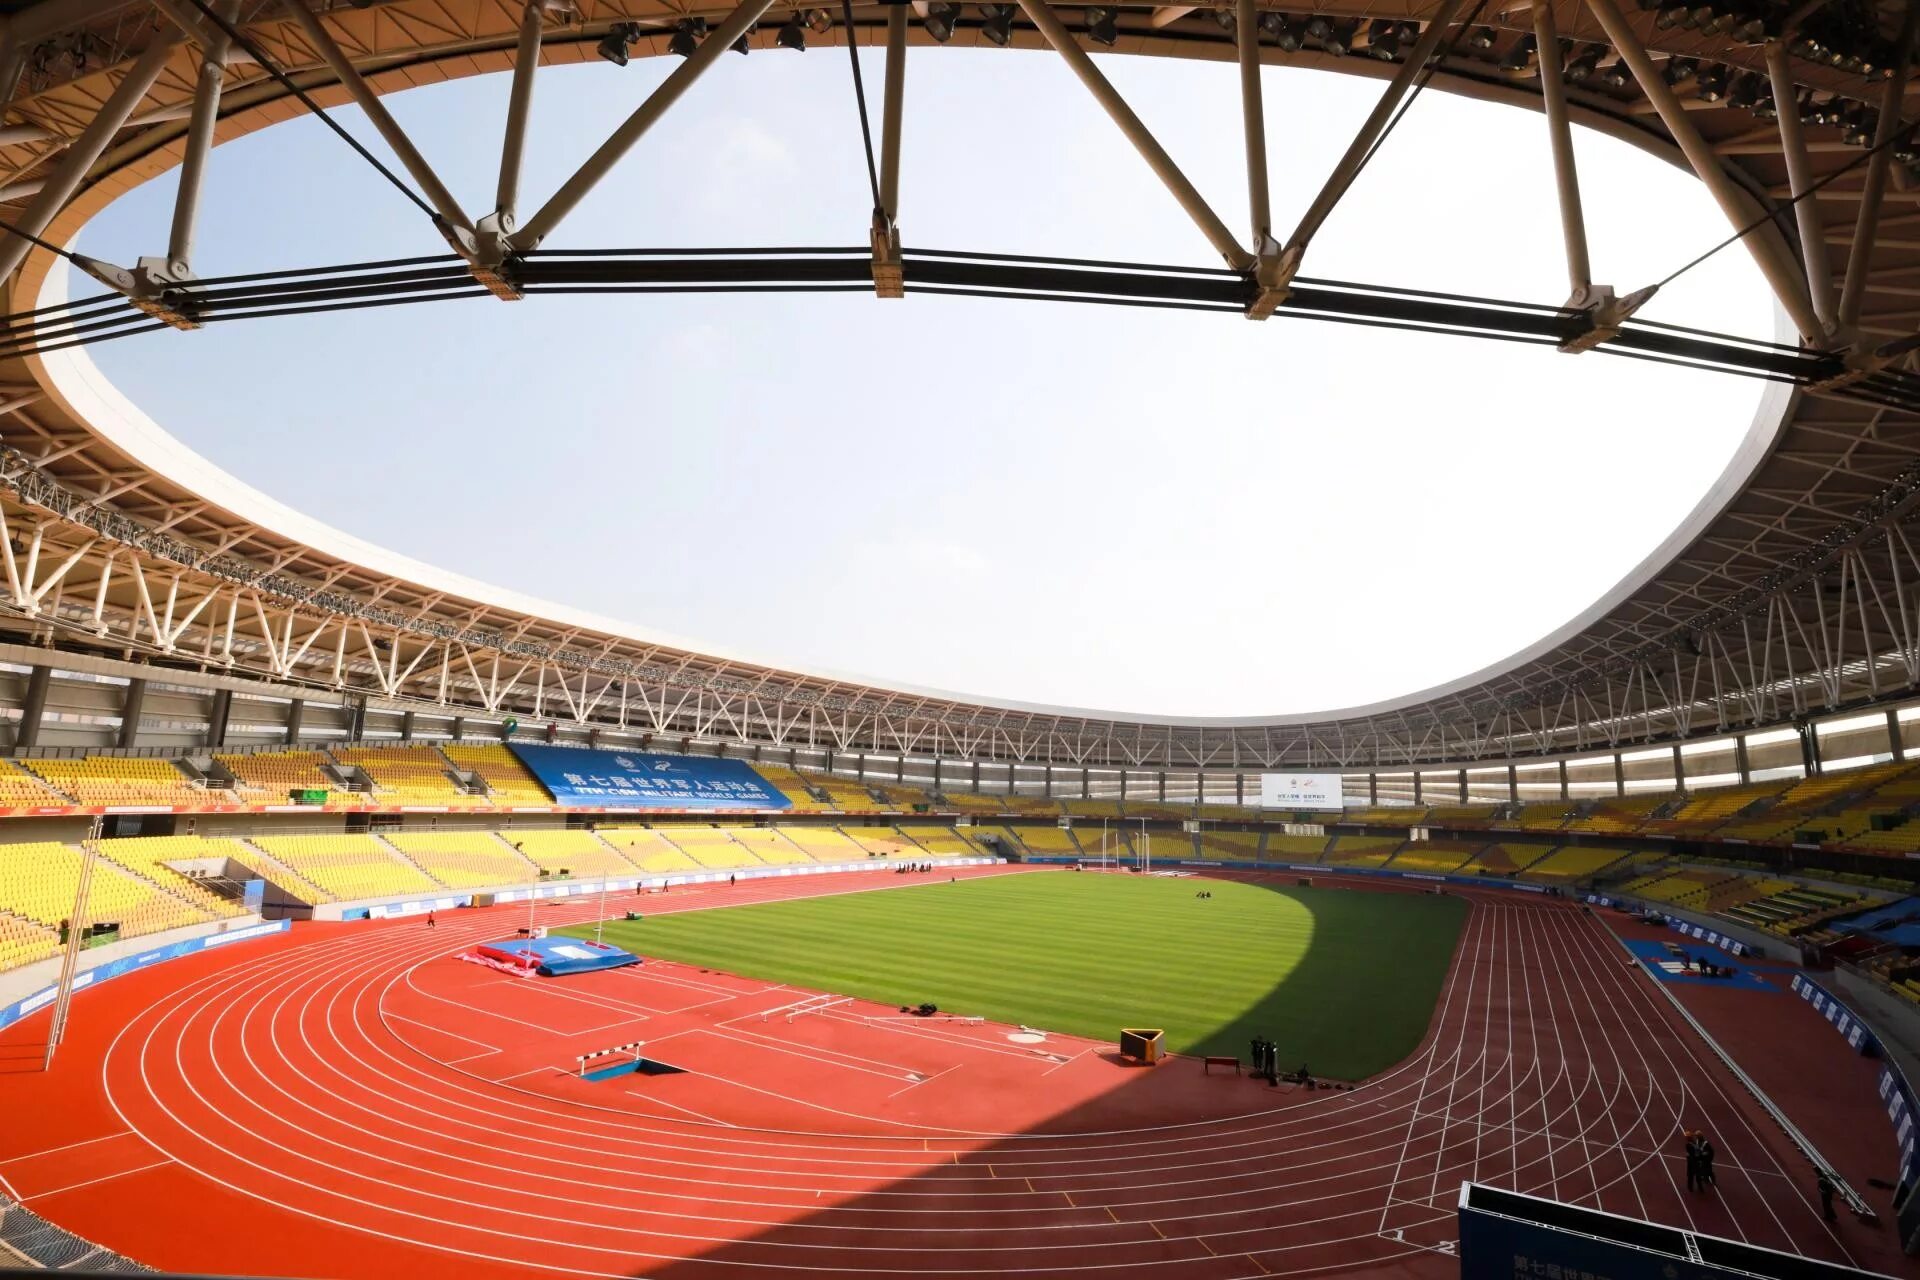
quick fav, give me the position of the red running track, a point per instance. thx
(289, 1109)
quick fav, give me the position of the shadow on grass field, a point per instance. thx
(1343, 980)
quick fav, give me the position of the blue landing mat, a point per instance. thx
(556, 957)
(1666, 966)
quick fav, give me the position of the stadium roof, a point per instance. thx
(1790, 590)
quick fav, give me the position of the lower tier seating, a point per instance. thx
(464, 860)
(348, 867)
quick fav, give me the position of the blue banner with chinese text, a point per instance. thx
(640, 780)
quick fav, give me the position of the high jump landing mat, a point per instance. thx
(556, 957)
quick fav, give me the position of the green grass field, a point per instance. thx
(1344, 981)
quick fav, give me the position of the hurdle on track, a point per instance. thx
(586, 1060)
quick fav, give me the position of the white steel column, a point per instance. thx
(206, 114)
(1254, 123)
(1566, 174)
(368, 101)
(1793, 147)
(519, 103)
(1370, 130)
(1738, 206)
(1057, 35)
(65, 180)
(597, 165)
(893, 98)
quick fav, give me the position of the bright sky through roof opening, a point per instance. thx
(1157, 512)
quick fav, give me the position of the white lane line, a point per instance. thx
(84, 1142)
(105, 1177)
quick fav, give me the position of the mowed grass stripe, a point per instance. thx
(1345, 981)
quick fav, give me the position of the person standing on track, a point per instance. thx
(1695, 1174)
(1707, 1178)
(430, 923)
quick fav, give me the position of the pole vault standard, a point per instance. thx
(77, 925)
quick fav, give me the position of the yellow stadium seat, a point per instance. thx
(509, 783)
(464, 860)
(348, 867)
(574, 850)
(409, 775)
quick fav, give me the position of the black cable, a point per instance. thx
(253, 50)
(1427, 73)
(1160, 267)
(860, 98)
(859, 251)
(1899, 135)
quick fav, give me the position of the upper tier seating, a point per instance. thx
(464, 860)
(279, 772)
(1092, 808)
(1387, 816)
(119, 780)
(147, 856)
(574, 850)
(20, 789)
(904, 798)
(348, 867)
(793, 785)
(846, 794)
(38, 880)
(967, 802)
(409, 776)
(509, 784)
(1462, 815)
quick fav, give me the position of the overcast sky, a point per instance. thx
(1105, 507)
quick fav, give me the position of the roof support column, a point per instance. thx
(1741, 762)
(65, 180)
(132, 704)
(1896, 740)
(1376, 123)
(889, 274)
(1783, 275)
(1566, 174)
(1077, 59)
(513, 139)
(1806, 210)
(193, 166)
(1564, 793)
(382, 120)
(635, 126)
(1619, 775)
(1866, 226)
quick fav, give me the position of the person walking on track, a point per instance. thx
(430, 923)
(1696, 1177)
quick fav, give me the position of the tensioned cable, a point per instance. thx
(1898, 135)
(1427, 73)
(254, 51)
(860, 98)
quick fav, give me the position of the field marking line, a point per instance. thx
(454, 1062)
(400, 1017)
(84, 1142)
(545, 1066)
(599, 1002)
(1069, 1062)
(770, 1045)
(105, 1177)
(928, 1080)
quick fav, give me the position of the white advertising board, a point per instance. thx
(1300, 791)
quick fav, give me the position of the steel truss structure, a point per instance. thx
(1793, 591)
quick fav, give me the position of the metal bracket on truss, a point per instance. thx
(1273, 271)
(1606, 314)
(1858, 362)
(489, 257)
(889, 272)
(152, 286)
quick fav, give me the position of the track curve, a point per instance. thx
(280, 1094)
